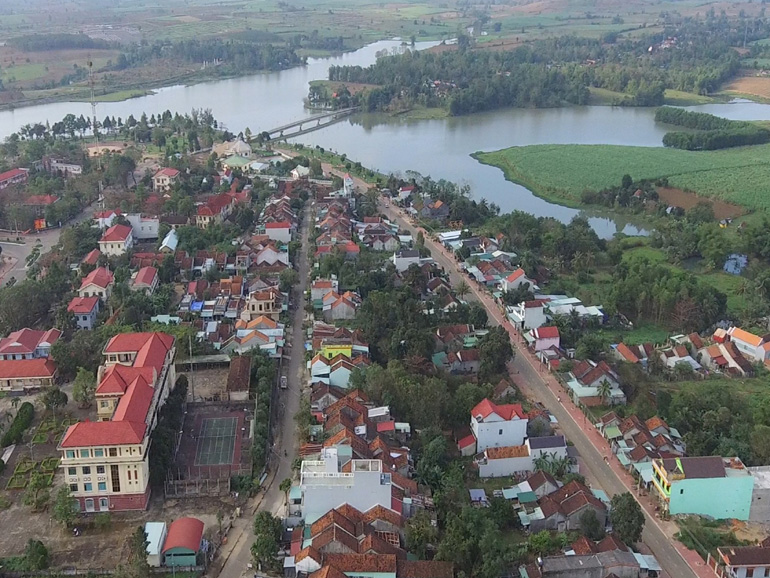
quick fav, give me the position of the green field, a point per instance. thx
(561, 172)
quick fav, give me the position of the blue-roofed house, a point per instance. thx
(735, 264)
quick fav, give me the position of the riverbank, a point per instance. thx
(560, 173)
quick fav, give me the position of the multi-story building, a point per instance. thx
(106, 462)
(28, 344)
(164, 179)
(13, 177)
(496, 426)
(363, 484)
(268, 303)
(98, 283)
(689, 486)
(117, 240)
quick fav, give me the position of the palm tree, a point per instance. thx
(285, 486)
(604, 390)
(462, 288)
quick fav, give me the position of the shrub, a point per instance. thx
(19, 424)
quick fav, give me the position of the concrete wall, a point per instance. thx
(699, 496)
(505, 467)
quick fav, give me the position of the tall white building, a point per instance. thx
(496, 426)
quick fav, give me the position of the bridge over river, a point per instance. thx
(315, 122)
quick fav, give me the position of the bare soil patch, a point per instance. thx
(686, 200)
(756, 85)
(209, 384)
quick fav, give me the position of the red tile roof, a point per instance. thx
(133, 342)
(146, 276)
(118, 377)
(184, 533)
(627, 354)
(278, 225)
(92, 257)
(135, 403)
(515, 275)
(508, 411)
(116, 233)
(546, 332)
(101, 277)
(167, 172)
(81, 305)
(13, 173)
(106, 433)
(41, 200)
(26, 341)
(24, 368)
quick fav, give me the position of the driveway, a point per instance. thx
(285, 430)
(537, 384)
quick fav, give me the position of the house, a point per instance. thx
(563, 508)
(513, 460)
(337, 307)
(99, 283)
(279, 231)
(320, 288)
(117, 240)
(214, 211)
(496, 425)
(39, 203)
(13, 177)
(543, 338)
(462, 362)
(753, 347)
(744, 561)
(90, 260)
(145, 280)
(105, 463)
(28, 344)
(170, 243)
(104, 219)
(517, 279)
(156, 535)
(183, 542)
(300, 172)
(624, 353)
(85, 310)
(62, 167)
(175, 221)
(528, 314)
(164, 179)
(268, 302)
(143, 227)
(365, 482)
(611, 564)
(27, 375)
(543, 483)
(404, 258)
(435, 211)
(688, 486)
(594, 384)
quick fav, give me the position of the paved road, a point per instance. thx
(528, 374)
(47, 240)
(286, 434)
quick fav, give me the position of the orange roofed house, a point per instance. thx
(25, 364)
(164, 179)
(116, 241)
(105, 462)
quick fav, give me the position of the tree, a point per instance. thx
(288, 278)
(36, 493)
(604, 390)
(35, 556)
(591, 525)
(495, 351)
(64, 510)
(267, 534)
(627, 518)
(462, 289)
(53, 398)
(84, 387)
(285, 486)
(420, 533)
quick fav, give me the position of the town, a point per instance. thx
(228, 356)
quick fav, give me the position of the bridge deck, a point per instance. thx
(313, 118)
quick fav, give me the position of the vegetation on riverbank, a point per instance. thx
(562, 172)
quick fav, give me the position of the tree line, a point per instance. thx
(46, 42)
(714, 132)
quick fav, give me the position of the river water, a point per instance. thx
(439, 148)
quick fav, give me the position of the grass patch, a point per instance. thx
(24, 466)
(680, 98)
(40, 438)
(705, 536)
(605, 97)
(17, 482)
(423, 113)
(121, 95)
(562, 172)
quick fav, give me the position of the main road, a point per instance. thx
(286, 435)
(589, 443)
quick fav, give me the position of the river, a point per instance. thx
(439, 148)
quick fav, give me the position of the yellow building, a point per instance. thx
(332, 350)
(105, 462)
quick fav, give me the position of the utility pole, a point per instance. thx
(93, 114)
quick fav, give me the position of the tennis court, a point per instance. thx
(216, 441)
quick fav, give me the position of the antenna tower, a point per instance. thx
(93, 114)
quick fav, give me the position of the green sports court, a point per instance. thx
(216, 441)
